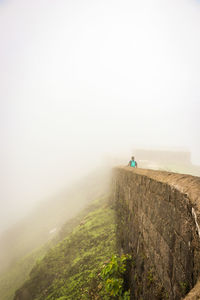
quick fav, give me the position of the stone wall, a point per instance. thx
(157, 222)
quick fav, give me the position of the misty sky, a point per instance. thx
(82, 80)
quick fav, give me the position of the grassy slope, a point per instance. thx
(32, 232)
(11, 280)
(70, 269)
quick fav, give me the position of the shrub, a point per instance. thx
(113, 277)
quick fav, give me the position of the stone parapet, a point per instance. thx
(158, 219)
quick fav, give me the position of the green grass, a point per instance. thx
(71, 269)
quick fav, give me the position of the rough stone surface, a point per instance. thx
(158, 219)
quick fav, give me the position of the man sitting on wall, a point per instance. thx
(132, 162)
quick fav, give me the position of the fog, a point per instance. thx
(82, 82)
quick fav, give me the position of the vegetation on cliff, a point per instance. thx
(17, 274)
(76, 267)
(30, 240)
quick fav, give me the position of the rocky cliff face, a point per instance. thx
(158, 217)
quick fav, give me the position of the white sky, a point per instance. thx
(83, 79)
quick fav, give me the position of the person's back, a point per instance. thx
(132, 162)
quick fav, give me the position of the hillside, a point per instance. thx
(70, 270)
(30, 239)
(42, 225)
(11, 280)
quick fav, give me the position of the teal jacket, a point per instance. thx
(133, 163)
